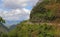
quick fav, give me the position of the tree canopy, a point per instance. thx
(2, 20)
(45, 11)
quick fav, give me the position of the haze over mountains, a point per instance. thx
(9, 23)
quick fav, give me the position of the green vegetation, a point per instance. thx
(45, 11)
(26, 29)
(2, 28)
(41, 23)
(33, 30)
(2, 20)
(3, 34)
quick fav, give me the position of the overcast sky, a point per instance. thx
(15, 10)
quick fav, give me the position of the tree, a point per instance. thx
(2, 20)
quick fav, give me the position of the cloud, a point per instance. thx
(13, 4)
(16, 10)
(14, 15)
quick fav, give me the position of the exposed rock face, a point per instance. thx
(46, 11)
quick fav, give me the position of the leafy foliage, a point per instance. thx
(2, 20)
(45, 11)
(26, 29)
(32, 30)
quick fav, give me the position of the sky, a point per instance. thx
(14, 11)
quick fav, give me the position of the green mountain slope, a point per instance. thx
(46, 11)
(26, 29)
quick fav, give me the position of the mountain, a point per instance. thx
(10, 23)
(28, 29)
(12, 27)
(3, 29)
(46, 11)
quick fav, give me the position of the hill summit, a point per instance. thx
(46, 11)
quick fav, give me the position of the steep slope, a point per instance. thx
(46, 11)
(3, 29)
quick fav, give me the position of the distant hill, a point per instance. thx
(3, 28)
(12, 27)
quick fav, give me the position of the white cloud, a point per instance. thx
(16, 9)
(18, 3)
(14, 15)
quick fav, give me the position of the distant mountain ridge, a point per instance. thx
(10, 23)
(5, 29)
(12, 27)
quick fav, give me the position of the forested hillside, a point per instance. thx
(32, 30)
(26, 29)
(43, 22)
(46, 11)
